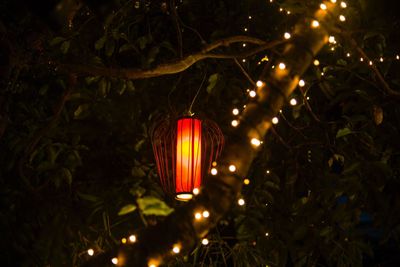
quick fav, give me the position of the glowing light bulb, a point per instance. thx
(342, 18)
(232, 168)
(323, 6)
(196, 191)
(214, 171)
(287, 35)
(381, 59)
(370, 63)
(315, 24)
(302, 83)
(241, 202)
(333, 1)
(282, 66)
(267, 171)
(252, 93)
(90, 252)
(246, 181)
(114, 261)
(316, 62)
(275, 120)
(361, 59)
(204, 241)
(132, 238)
(243, 60)
(245, 29)
(214, 163)
(280, 9)
(244, 44)
(259, 83)
(348, 55)
(250, 17)
(176, 249)
(293, 102)
(288, 12)
(255, 142)
(206, 214)
(197, 216)
(332, 39)
(397, 57)
(343, 4)
(235, 123)
(235, 111)
(123, 240)
(266, 234)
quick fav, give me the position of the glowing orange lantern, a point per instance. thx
(184, 150)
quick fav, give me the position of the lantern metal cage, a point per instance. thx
(184, 150)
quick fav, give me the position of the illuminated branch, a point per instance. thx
(172, 67)
(181, 230)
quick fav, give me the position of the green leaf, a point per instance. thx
(57, 40)
(212, 81)
(110, 47)
(127, 209)
(100, 43)
(150, 205)
(343, 132)
(65, 47)
(67, 175)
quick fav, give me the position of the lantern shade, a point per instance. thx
(184, 149)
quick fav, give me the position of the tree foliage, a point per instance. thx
(77, 169)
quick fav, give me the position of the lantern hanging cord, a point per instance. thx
(198, 91)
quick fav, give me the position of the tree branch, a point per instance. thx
(172, 67)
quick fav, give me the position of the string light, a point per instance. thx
(361, 59)
(333, 1)
(275, 120)
(197, 216)
(243, 60)
(267, 171)
(196, 191)
(348, 55)
(176, 249)
(90, 252)
(282, 66)
(246, 181)
(114, 261)
(214, 171)
(302, 83)
(343, 4)
(241, 202)
(252, 93)
(266, 234)
(370, 63)
(315, 24)
(123, 240)
(288, 12)
(244, 44)
(332, 40)
(235, 111)
(206, 214)
(132, 238)
(235, 123)
(232, 168)
(293, 102)
(245, 29)
(323, 6)
(342, 18)
(259, 83)
(381, 59)
(316, 62)
(287, 35)
(204, 241)
(397, 57)
(255, 142)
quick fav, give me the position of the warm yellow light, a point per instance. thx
(343, 4)
(184, 196)
(275, 120)
(315, 24)
(348, 55)
(266, 234)
(232, 168)
(288, 12)
(245, 29)
(252, 93)
(342, 18)
(259, 83)
(243, 60)
(282, 66)
(214, 171)
(302, 83)
(250, 17)
(123, 240)
(90, 252)
(241, 202)
(235, 123)
(114, 261)
(246, 181)
(197, 215)
(280, 9)
(255, 142)
(196, 191)
(322, 74)
(287, 35)
(332, 39)
(370, 63)
(244, 44)
(267, 171)
(235, 111)
(204, 241)
(176, 249)
(293, 102)
(361, 59)
(397, 57)
(316, 62)
(214, 163)
(381, 59)
(132, 238)
(323, 6)
(333, 1)
(206, 214)
(332, 48)
(152, 265)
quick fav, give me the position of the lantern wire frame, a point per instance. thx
(163, 136)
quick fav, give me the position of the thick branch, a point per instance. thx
(172, 67)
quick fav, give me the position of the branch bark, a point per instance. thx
(172, 67)
(181, 228)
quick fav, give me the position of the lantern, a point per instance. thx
(184, 150)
